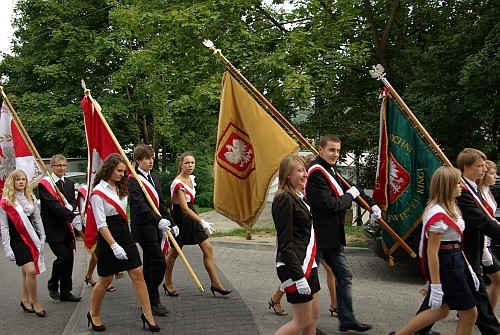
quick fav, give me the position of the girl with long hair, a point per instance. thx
(444, 264)
(193, 229)
(490, 264)
(23, 236)
(107, 222)
(295, 257)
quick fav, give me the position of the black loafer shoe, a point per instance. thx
(159, 310)
(71, 298)
(54, 295)
(357, 327)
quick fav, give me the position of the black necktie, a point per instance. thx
(60, 185)
(150, 180)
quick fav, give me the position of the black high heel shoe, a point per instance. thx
(42, 313)
(89, 282)
(152, 328)
(170, 293)
(96, 328)
(280, 312)
(26, 309)
(218, 290)
(333, 310)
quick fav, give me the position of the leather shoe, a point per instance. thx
(159, 310)
(70, 297)
(54, 295)
(357, 327)
(430, 332)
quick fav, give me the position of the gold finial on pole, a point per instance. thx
(209, 44)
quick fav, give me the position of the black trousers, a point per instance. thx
(62, 268)
(153, 267)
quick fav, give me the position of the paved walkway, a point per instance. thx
(384, 297)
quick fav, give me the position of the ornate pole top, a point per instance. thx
(209, 44)
(86, 91)
(377, 72)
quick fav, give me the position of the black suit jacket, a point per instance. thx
(293, 222)
(143, 219)
(54, 215)
(328, 210)
(477, 224)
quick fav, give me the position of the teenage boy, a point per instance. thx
(329, 200)
(147, 226)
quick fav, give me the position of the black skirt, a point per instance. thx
(190, 231)
(19, 248)
(107, 263)
(456, 280)
(296, 297)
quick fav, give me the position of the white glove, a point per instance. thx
(174, 230)
(164, 224)
(77, 223)
(487, 259)
(118, 251)
(377, 213)
(68, 206)
(9, 254)
(474, 278)
(42, 242)
(436, 298)
(303, 286)
(353, 191)
(207, 226)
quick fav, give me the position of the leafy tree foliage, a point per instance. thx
(146, 65)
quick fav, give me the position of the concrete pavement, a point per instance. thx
(384, 297)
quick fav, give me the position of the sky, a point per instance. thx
(6, 31)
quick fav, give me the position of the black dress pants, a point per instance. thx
(62, 268)
(153, 267)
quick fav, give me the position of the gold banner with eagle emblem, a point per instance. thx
(250, 146)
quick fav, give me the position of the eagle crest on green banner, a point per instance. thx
(406, 165)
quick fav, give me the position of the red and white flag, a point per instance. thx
(14, 152)
(100, 145)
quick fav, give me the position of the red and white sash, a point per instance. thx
(176, 185)
(25, 229)
(47, 183)
(82, 191)
(165, 245)
(434, 214)
(308, 264)
(337, 189)
(91, 228)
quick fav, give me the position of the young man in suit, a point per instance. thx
(148, 227)
(57, 208)
(329, 200)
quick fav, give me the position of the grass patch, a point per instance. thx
(241, 232)
(355, 236)
(201, 210)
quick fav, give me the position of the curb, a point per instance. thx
(272, 247)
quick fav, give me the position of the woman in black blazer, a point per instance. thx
(296, 247)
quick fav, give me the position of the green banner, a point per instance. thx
(406, 165)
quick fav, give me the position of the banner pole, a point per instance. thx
(298, 135)
(97, 109)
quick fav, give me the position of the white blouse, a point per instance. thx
(102, 208)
